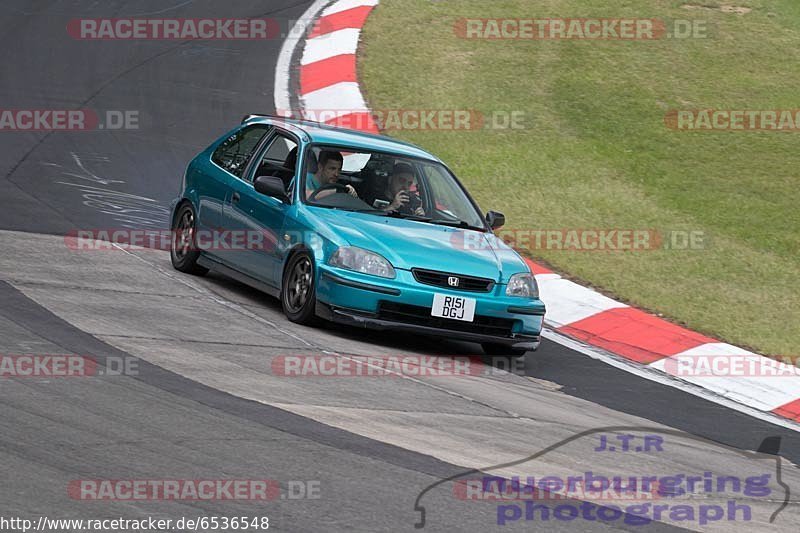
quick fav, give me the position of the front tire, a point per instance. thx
(298, 290)
(490, 348)
(184, 253)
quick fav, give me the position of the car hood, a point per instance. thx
(411, 244)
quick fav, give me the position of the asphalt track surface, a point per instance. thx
(203, 403)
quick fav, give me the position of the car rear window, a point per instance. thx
(235, 152)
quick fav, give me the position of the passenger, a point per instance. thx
(398, 191)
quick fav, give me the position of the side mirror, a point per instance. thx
(495, 219)
(271, 186)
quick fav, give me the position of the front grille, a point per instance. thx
(421, 316)
(440, 279)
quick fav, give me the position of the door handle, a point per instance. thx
(236, 197)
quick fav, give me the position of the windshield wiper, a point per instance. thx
(457, 224)
(417, 218)
(370, 211)
(397, 214)
(393, 214)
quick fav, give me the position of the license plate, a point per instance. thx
(453, 307)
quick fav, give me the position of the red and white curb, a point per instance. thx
(327, 71)
(329, 85)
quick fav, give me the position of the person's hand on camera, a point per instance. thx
(400, 199)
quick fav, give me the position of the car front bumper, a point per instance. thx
(403, 304)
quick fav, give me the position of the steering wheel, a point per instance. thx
(337, 186)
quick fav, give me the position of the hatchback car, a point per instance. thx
(356, 229)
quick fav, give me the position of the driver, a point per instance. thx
(398, 191)
(330, 164)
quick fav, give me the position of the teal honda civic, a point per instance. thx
(355, 229)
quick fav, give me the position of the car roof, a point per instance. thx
(317, 132)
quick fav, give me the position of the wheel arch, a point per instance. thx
(182, 202)
(296, 249)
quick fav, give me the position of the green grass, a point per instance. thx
(597, 154)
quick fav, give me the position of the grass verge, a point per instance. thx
(595, 151)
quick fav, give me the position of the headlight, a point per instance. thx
(524, 285)
(359, 260)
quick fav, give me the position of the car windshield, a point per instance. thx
(387, 185)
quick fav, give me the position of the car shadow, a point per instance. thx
(386, 339)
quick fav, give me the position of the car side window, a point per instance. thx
(279, 159)
(279, 150)
(235, 152)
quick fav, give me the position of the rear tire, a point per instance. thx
(298, 290)
(490, 348)
(184, 253)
